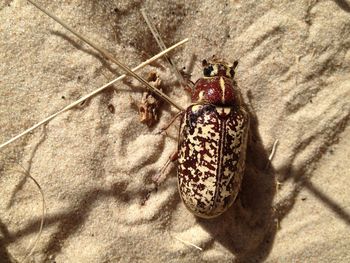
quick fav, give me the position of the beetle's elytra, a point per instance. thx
(212, 142)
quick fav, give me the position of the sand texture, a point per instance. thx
(95, 165)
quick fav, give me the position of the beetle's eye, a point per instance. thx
(207, 71)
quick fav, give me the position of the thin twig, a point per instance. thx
(90, 95)
(274, 146)
(188, 243)
(273, 151)
(162, 46)
(43, 211)
(109, 56)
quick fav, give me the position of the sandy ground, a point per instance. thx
(95, 166)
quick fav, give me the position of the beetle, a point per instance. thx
(212, 142)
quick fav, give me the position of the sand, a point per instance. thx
(95, 166)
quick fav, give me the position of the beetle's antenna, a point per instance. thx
(43, 210)
(162, 46)
(90, 95)
(110, 57)
(235, 64)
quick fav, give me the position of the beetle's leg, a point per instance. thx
(172, 158)
(163, 129)
(156, 178)
(189, 86)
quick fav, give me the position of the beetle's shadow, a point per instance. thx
(248, 228)
(4, 253)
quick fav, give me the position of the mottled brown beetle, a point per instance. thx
(212, 142)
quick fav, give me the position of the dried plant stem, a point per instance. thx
(162, 46)
(272, 154)
(273, 151)
(188, 243)
(109, 56)
(90, 95)
(43, 211)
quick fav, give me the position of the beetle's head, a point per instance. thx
(218, 86)
(215, 67)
